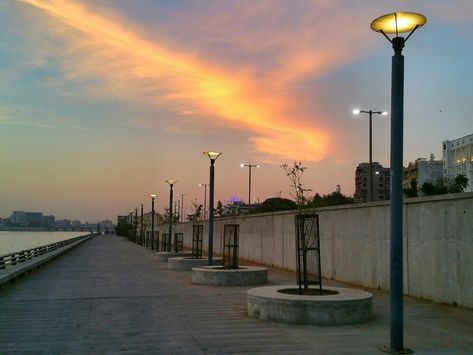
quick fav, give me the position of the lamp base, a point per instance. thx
(392, 351)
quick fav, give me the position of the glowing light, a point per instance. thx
(398, 22)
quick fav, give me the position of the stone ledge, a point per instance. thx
(187, 263)
(349, 306)
(217, 276)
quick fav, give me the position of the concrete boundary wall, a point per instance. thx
(438, 244)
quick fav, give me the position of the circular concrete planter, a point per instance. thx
(348, 306)
(165, 255)
(217, 276)
(187, 263)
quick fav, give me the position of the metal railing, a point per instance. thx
(24, 255)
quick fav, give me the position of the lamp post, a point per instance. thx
(212, 156)
(182, 208)
(130, 232)
(171, 183)
(153, 196)
(136, 225)
(395, 23)
(205, 197)
(141, 226)
(242, 165)
(370, 113)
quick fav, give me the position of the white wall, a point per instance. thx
(438, 244)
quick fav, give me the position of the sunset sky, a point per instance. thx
(103, 100)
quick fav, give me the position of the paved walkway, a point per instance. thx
(110, 296)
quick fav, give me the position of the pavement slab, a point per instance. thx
(109, 296)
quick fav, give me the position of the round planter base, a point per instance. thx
(218, 276)
(165, 255)
(348, 306)
(187, 262)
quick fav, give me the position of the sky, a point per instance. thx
(101, 101)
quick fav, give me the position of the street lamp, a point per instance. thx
(136, 224)
(171, 183)
(153, 196)
(205, 197)
(395, 23)
(212, 156)
(370, 113)
(242, 165)
(141, 226)
(182, 208)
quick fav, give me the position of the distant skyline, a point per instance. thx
(103, 100)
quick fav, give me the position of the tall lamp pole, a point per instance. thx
(153, 196)
(135, 224)
(242, 165)
(141, 226)
(182, 208)
(395, 23)
(171, 183)
(212, 156)
(370, 113)
(205, 197)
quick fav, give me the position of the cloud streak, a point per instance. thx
(100, 46)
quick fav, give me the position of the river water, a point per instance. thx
(11, 242)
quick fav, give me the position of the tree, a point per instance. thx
(459, 184)
(197, 212)
(274, 204)
(412, 191)
(295, 173)
(219, 209)
(333, 199)
(430, 189)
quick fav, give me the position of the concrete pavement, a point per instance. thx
(110, 296)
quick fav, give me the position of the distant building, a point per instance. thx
(423, 170)
(381, 182)
(458, 160)
(24, 219)
(107, 223)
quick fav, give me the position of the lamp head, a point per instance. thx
(171, 182)
(398, 22)
(384, 113)
(242, 165)
(212, 155)
(356, 111)
(153, 195)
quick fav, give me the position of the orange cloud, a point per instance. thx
(133, 67)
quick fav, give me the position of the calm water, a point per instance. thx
(11, 242)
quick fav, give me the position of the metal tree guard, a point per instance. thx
(164, 241)
(230, 246)
(308, 252)
(178, 242)
(197, 237)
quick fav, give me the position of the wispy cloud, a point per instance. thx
(112, 59)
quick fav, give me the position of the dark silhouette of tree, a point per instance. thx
(459, 185)
(430, 189)
(333, 199)
(294, 173)
(218, 211)
(413, 190)
(274, 204)
(197, 212)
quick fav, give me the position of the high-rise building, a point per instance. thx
(423, 170)
(381, 183)
(458, 160)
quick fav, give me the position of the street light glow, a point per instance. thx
(398, 22)
(171, 182)
(356, 111)
(384, 113)
(212, 155)
(153, 195)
